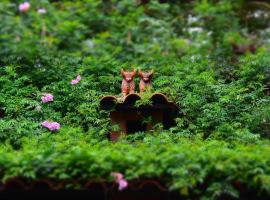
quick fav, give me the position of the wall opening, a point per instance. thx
(134, 126)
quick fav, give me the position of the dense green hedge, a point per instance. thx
(218, 107)
(193, 167)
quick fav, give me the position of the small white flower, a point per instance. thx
(38, 108)
(192, 19)
(41, 11)
(195, 30)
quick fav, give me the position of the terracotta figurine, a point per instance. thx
(145, 81)
(128, 84)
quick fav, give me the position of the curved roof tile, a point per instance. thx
(58, 185)
(109, 102)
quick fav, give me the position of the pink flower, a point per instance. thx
(47, 98)
(52, 126)
(42, 11)
(74, 82)
(45, 123)
(55, 126)
(24, 7)
(119, 178)
(77, 80)
(122, 184)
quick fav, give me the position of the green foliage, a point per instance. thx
(186, 165)
(221, 135)
(145, 98)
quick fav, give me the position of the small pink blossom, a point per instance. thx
(45, 123)
(74, 82)
(52, 126)
(119, 178)
(47, 98)
(122, 184)
(41, 11)
(77, 80)
(24, 7)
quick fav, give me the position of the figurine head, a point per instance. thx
(128, 76)
(146, 76)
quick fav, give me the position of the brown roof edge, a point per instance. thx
(108, 102)
(19, 183)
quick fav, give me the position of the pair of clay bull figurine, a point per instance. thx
(128, 84)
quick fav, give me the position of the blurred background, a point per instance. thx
(129, 29)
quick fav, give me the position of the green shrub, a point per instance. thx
(220, 141)
(183, 164)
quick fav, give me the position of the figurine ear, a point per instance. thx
(122, 72)
(140, 73)
(134, 72)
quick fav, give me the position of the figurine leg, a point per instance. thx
(132, 88)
